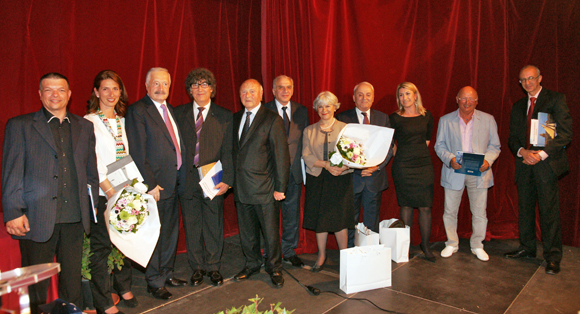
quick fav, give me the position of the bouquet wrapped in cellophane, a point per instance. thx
(133, 222)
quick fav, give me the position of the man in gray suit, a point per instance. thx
(261, 164)
(48, 162)
(295, 118)
(469, 131)
(369, 183)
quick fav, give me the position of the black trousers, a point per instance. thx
(203, 221)
(100, 276)
(160, 267)
(539, 184)
(67, 243)
(251, 219)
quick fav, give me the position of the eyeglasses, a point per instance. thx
(197, 85)
(471, 100)
(531, 78)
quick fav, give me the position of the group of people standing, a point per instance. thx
(51, 156)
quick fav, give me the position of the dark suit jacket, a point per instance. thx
(555, 104)
(215, 144)
(298, 122)
(151, 146)
(378, 181)
(30, 172)
(261, 161)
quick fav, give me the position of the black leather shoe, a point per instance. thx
(316, 268)
(277, 279)
(294, 260)
(553, 268)
(159, 293)
(216, 278)
(197, 277)
(245, 274)
(175, 282)
(520, 253)
(131, 302)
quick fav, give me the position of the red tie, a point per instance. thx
(365, 118)
(169, 126)
(529, 121)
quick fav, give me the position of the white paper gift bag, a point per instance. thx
(398, 239)
(365, 268)
(364, 236)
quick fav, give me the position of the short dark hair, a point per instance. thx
(200, 74)
(52, 75)
(93, 103)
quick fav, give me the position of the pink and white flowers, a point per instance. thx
(130, 210)
(351, 150)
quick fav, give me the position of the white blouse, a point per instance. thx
(106, 145)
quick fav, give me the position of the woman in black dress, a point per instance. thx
(412, 169)
(329, 191)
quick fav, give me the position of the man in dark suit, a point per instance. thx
(538, 168)
(157, 149)
(261, 163)
(48, 162)
(203, 218)
(295, 118)
(369, 183)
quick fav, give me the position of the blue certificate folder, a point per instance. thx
(470, 163)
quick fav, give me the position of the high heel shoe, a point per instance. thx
(427, 255)
(316, 268)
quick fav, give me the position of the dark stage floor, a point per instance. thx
(459, 284)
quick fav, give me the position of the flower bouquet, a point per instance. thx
(133, 222)
(362, 145)
(130, 210)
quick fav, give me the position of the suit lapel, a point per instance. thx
(76, 129)
(43, 129)
(475, 131)
(257, 121)
(156, 116)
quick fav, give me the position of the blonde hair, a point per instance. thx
(418, 102)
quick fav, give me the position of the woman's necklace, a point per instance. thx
(328, 127)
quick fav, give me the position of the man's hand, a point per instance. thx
(279, 196)
(222, 188)
(454, 164)
(156, 193)
(367, 172)
(531, 157)
(484, 167)
(18, 227)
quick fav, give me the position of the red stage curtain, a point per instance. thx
(441, 46)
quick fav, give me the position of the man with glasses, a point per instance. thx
(466, 130)
(538, 168)
(206, 130)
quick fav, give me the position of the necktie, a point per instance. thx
(172, 133)
(246, 126)
(365, 118)
(529, 121)
(286, 121)
(198, 125)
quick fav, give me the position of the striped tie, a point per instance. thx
(169, 126)
(198, 126)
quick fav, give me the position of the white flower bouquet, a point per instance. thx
(131, 208)
(133, 222)
(363, 145)
(350, 150)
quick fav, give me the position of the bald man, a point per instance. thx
(469, 131)
(262, 167)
